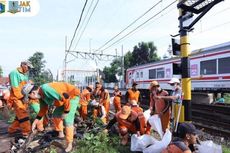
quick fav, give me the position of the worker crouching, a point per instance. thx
(65, 97)
(129, 121)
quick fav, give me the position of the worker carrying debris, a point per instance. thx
(129, 121)
(17, 101)
(65, 97)
(159, 105)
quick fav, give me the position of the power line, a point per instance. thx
(141, 25)
(83, 21)
(86, 24)
(78, 25)
(129, 25)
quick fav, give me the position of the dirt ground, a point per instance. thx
(4, 137)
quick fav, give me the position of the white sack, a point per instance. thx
(209, 146)
(141, 142)
(160, 145)
(155, 123)
(147, 114)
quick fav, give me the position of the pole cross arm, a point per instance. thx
(92, 56)
(196, 6)
(200, 7)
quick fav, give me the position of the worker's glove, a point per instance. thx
(34, 124)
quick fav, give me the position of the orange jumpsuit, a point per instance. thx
(133, 124)
(17, 80)
(133, 95)
(161, 106)
(105, 101)
(66, 99)
(84, 101)
(117, 100)
(139, 111)
(35, 107)
(96, 96)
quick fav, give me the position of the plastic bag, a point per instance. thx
(141, 142)
(111, 104)
(147, 114)
(155, 123)
(160, 145)
(209, 146)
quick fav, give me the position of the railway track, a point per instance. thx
(214, 119)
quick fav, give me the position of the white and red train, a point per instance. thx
(209, 70)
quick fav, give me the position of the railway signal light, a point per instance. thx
(175, 46)
(177, 69)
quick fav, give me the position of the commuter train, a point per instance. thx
(209, 70)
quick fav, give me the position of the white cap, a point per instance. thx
(174, 80)
(28, 63)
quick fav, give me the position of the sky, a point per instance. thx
(21, 37)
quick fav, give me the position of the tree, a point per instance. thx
(1, 72)
(142, 53)
(38, 74)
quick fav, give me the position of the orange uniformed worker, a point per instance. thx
(105, 101)
(128, 122)
(187, 135)
(133, 94)
(18, 78)
(66, 99)
(84, 101)
(96, 98)
(117, 99)
(158, 105)
(135, 106)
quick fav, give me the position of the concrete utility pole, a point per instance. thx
(186, 10)
(122, 67)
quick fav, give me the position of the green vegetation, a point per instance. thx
(99, 143)
(38, 74)
(227, 98)
(226, 149)
(142, 53)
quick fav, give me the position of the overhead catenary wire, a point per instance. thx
(141, 25)
(77, 25)
(129, 25)
(86, 24)
(84, 19)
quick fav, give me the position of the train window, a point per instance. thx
(137, 76)
(223, 65)
(141, 74)
(160, 73)
(152, 74)
(208, 67)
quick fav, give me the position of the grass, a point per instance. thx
(226, 149)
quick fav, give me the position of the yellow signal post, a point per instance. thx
(186, 10)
